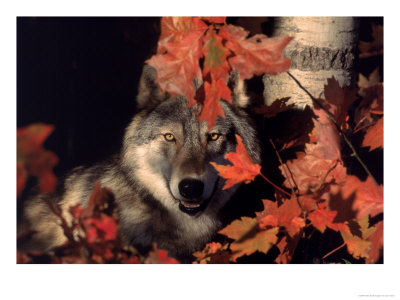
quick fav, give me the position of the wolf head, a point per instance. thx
(167, 151)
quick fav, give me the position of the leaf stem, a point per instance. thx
(333, 251)
(319, 104)
(363, 127)
(274, 185)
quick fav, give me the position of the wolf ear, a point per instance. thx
(238, 88)
(148, 92)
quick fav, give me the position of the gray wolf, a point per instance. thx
(166, 190)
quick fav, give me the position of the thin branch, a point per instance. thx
(333, 251)
(319, 104)
(363, 127)
(331, 168)
(359, 123)
(371, 54)
(291, 175)
(283, 164)
(274, 185)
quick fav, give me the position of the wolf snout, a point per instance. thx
(191, 188)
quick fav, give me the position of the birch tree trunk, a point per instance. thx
(322, 47)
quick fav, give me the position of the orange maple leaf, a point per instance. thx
(248, 238)
(320, 164)
(213, 253)
(256, 55)
(374, 136)
(356, 245)
(212, 108)
(287, 247)
(286, 215)
(369, 198)
(214, 19)
(243, 168)
(376, 239)
(322, 218)
(158, 256)
(33, 159)
(178, 54)
(339, 99)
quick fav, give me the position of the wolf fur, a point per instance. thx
(166, 190)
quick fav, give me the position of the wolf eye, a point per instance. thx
(169, 137)
(214, 136)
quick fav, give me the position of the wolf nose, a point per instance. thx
(191, 188)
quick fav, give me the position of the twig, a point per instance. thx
(333, 251)
(319, 104)
(371, 54)
(274, 185)
(331, 168)
(359, 123)
(363, 127)
(281, 162)
(291, 175)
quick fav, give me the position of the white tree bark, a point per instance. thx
(322, 47)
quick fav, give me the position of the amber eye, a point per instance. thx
(214, 136)
(169, 137)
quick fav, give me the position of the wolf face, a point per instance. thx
(172, 155)
(166, 190)
(173, 150)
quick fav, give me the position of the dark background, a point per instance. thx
(81, 75)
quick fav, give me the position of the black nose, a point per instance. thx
(191, 188)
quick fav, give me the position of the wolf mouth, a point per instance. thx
(196, 208)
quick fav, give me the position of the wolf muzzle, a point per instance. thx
(191, 188)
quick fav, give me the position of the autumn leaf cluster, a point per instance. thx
(185, 42)
(320, 192)
(92, 236)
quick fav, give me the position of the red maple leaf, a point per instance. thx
(212, 108)
(33, 159)
(158, 256)
(338, 99)
(322, 218)
(369, 198)
(178, 54)
(102, 228)
(287, 215)
(374, 136)
(217, 20)
(278, 106)
(256, 55)
(311, 173)
(100, 200)
(268, 221)
(243, 168)
(286, 246)
(327, 146)
(374, 47)
(320, 164)
(96, 219)
(372, 102)
(131, 260)
(213, 253)
(183, 43)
